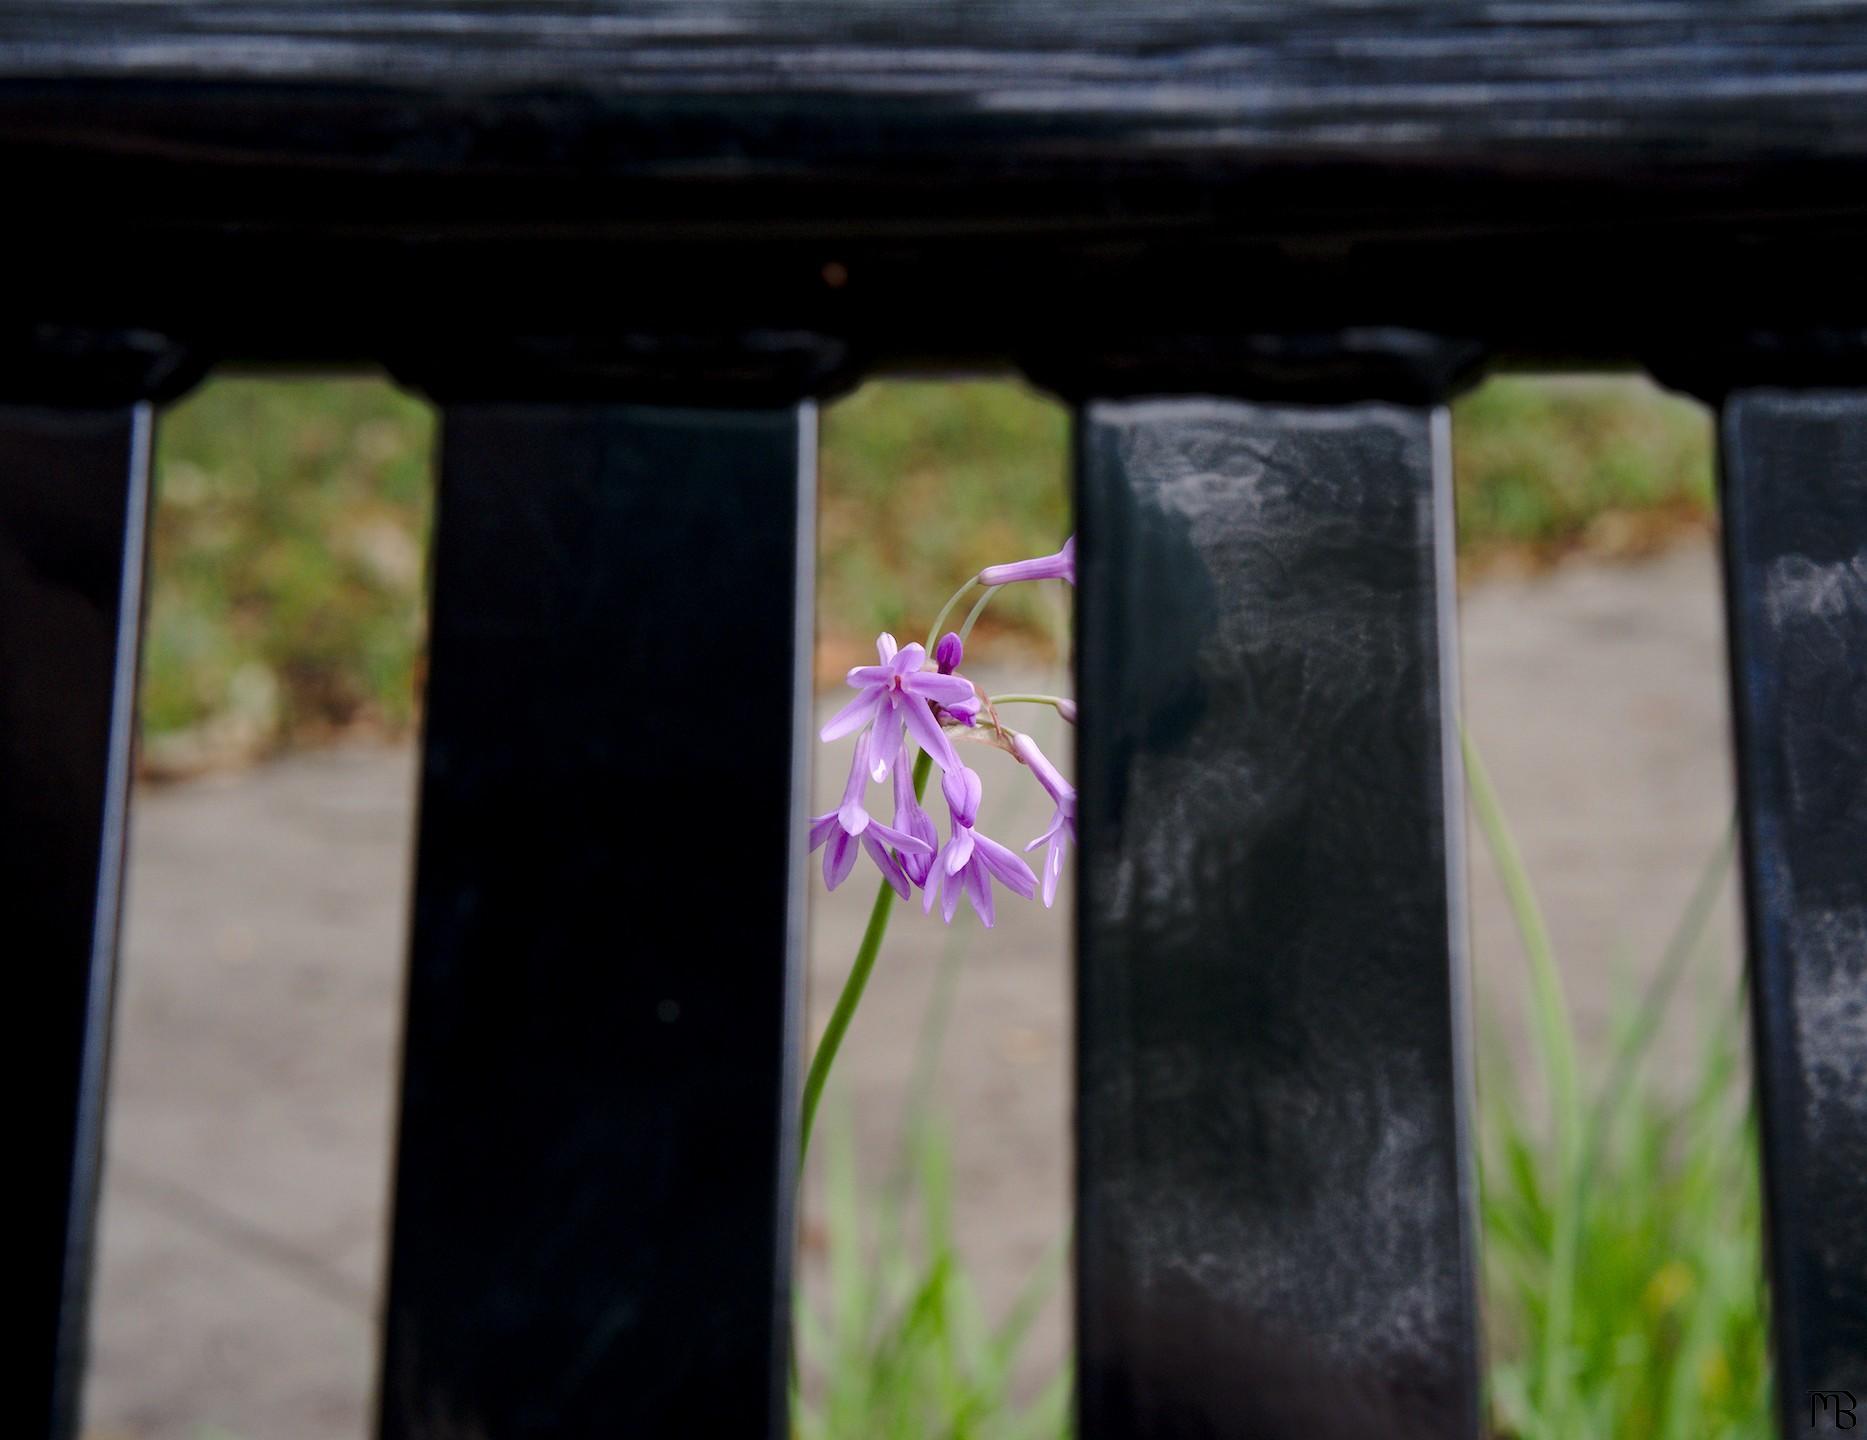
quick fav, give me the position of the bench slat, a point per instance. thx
(1274, 1195)
(74, 489)
(593, 1211)
(1795, 506)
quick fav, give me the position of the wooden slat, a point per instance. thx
(1274, 1194)
(593, 1198)
(1031, 85)
(73, 497)
(1795, 506)
(696, 168)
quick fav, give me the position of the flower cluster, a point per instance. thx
(903, 706)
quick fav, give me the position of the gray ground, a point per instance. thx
(247, 1175)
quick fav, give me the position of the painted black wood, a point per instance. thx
(1016, 88)
(73, 499)
(1795, 506)
(1274, 1196)
(593, 1196)
(938, 182)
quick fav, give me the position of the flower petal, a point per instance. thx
(958, 850)
(962, 790)
(885, 647)
(1051, 778)
(1060, 566)
(927, 732)
(909, 659)
(909, 817)
(979, 891)
(1006, 864)
(865, 676)
(905, 843)
(884, 744)
(820, 828)
(887, 864)
(935, 880)
(853, 716)
(1053, 869)
(950, 888)
(839, 859)
(945, 689)
(858, 782)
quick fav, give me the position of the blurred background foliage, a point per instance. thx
(292, 524)
(289, 545)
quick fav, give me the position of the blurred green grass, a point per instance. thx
(292, 521)
(1621, 1224)
(1542, 465)
(289, 533)
(1621, 1230)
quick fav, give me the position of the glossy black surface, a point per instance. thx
(73, 495)
(1795, 506)
(1557, 181)
(1273, 1227)
(593, 1197)
(1013, 90)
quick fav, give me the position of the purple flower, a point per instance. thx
(909, 817)
(1061, 566)
(949, 654)
(970, 861)
(1062, 831)
(966, 712)
(849, 827)
(895, 692)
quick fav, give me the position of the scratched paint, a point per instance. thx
(1273, 1225)
(1795, 467)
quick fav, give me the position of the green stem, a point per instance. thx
(972, 617)
(1680, 949)
(933, 634)
(1055, 702)
(1554, 1032)
(853, 987)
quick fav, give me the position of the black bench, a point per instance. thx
(627, 247)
